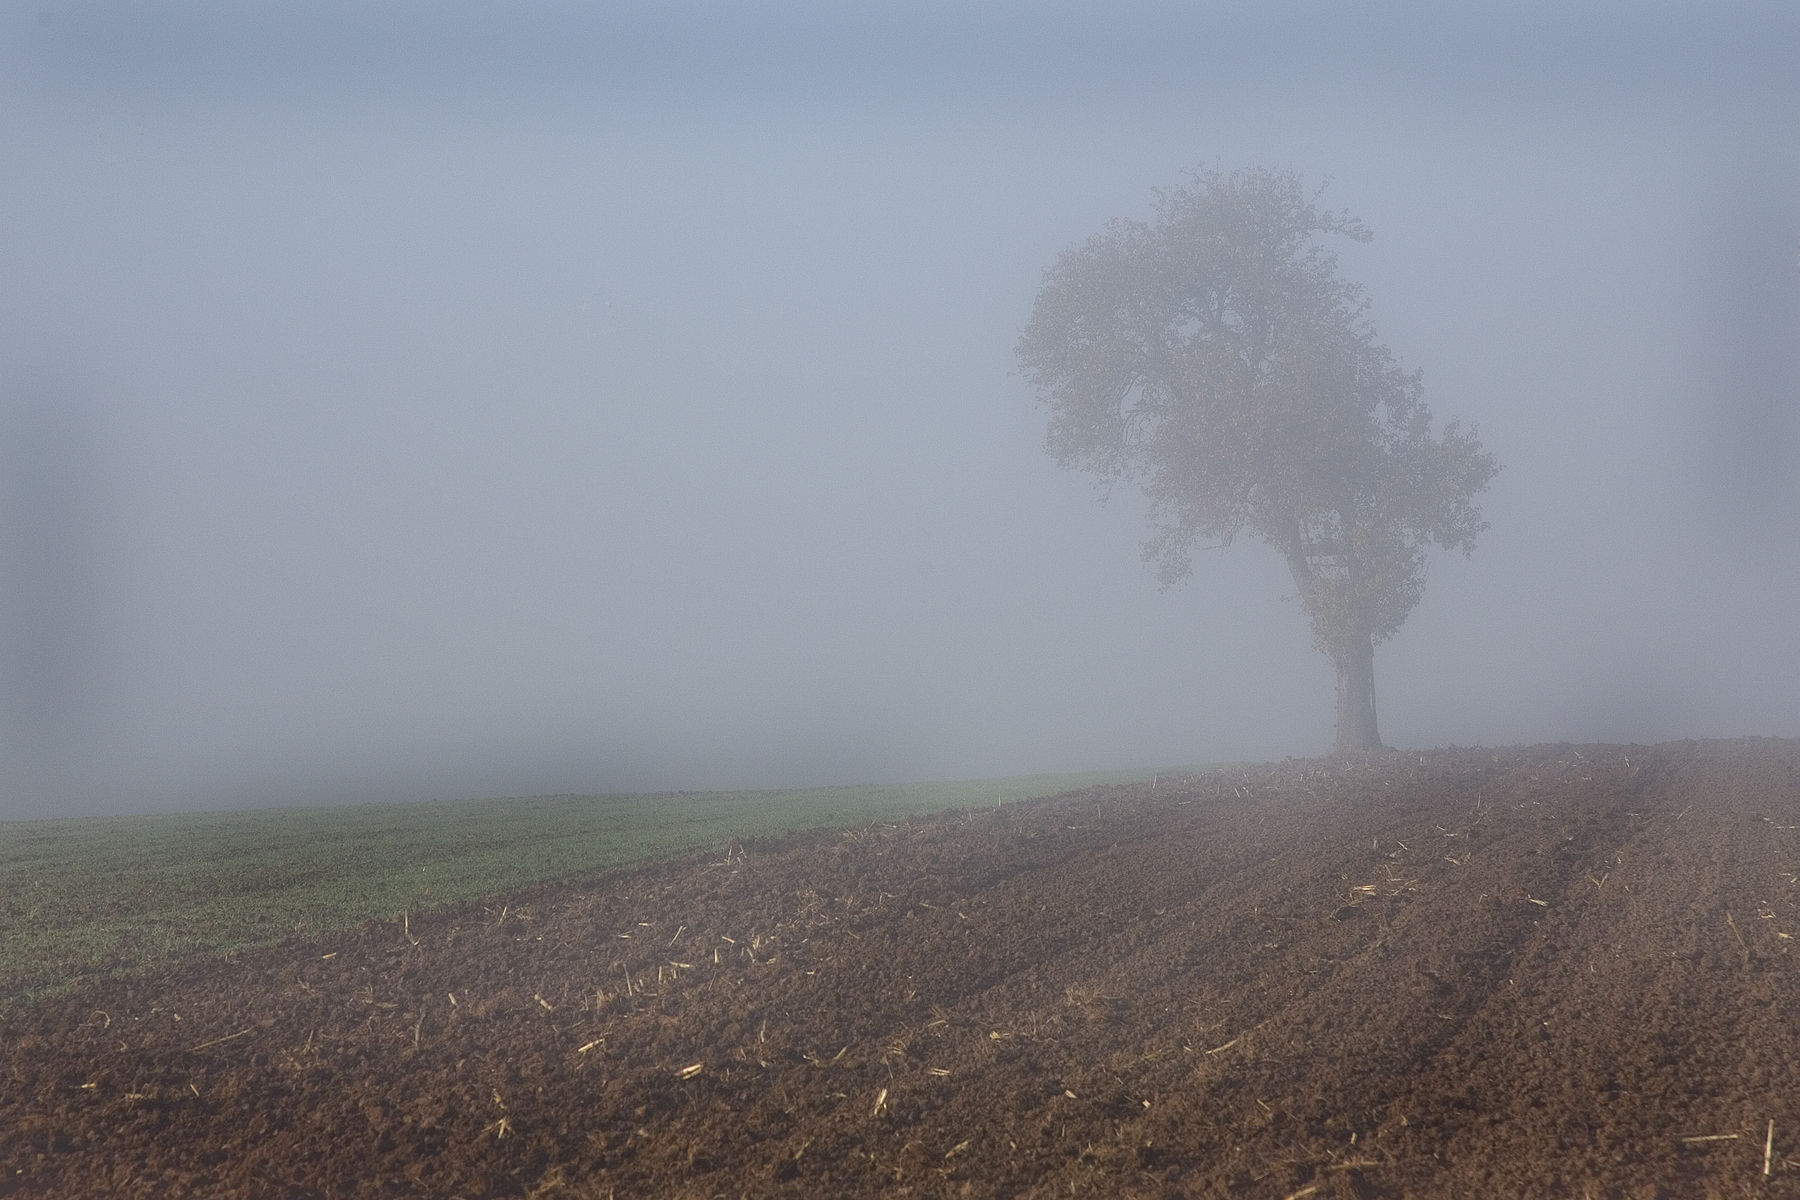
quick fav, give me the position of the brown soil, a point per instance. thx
(1546, 972)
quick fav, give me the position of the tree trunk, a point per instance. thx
(1356, 731)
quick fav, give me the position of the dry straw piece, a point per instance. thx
(1729, 920)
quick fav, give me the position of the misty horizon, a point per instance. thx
(400, 404)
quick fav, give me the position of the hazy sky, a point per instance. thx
(403, 400)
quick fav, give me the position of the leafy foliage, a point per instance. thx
(1215, 357)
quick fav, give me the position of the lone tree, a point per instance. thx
(1215, 357)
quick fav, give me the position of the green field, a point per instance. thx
(100, 895)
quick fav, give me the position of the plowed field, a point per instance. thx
(1544, 972)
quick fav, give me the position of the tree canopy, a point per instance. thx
(1215, 357)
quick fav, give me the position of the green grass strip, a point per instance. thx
(105, 895)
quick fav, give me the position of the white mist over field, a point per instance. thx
(406, 400)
